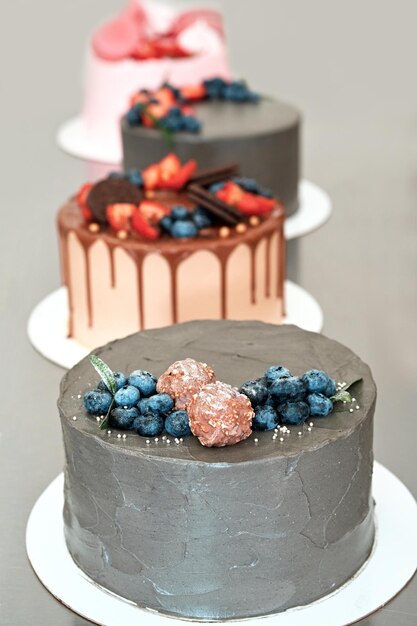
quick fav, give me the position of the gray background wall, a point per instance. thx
(350, 67)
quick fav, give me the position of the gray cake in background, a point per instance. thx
(263, 137)
(222, 533)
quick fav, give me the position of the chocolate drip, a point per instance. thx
(268, 267)
(282, 267)
(253, 249)
(86, 250)
(112, 267)
(174, 252)
(65, 273)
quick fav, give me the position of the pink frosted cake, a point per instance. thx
(170, 244)
(147, 44)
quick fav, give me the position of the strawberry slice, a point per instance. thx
(141, 226)
(180, 179)
(167, 46)
(151, 176)
(165, 96)
(267, 204)
(187, 110)
(156, 111)
(231, 193)
(81, 199)
(144, 50)
(139, 98)
(252, 204)
(153, 211)
(169, 167)
(194, 93)
(119, 215)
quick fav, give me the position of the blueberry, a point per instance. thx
(316, 381)
(180, 212)
(144, 381)
(120, 379)
(174, 124)
(143, 405)
(97, 402)
(248, 184)
(270, 401)
(201, 218)
(161, 403)
(320, 406)
(191, 124)
(264, 191)
(175, 112)
(127, 396)
(135, 177)
(294, 412)
(236, 91)
(275, 372)
(331, 388)
(216, 187)
(175, 91)
(120, 175)
(134, 116)
(149, 425)
(255, 391)
(123, 418)
(177, 424)
(184, 229)
(166, 223)
(252, 96)
(214, 87)
(265, 418)
(289, 388)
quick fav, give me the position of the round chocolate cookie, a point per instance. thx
(111, 191)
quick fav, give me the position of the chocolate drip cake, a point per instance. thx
(170, 244)
(192, 526)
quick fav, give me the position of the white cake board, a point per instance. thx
(48, 323)
(73, 139)
(315, 208)
(389, 568)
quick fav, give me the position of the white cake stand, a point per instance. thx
(48, 323)
(389, 568)
(73, 139)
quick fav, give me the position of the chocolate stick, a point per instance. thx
(220, 209)
(214, 175)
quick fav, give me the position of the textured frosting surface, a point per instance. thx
(221, 533)
(263, 138)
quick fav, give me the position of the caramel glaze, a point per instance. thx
(175, 251)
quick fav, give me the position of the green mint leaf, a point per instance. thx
(341, 396)
(105, 422)
(357, 380)
(167, 134)
(105, 373)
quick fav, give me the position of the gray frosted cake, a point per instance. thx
(217, 123)
(162, 510)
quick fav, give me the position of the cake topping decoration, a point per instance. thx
(142, 203)
(170, 109)
(187, 399)
(220, 415)
(183, 379)
(140, 35)
(108, 192)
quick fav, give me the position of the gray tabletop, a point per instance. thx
(350, 70)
